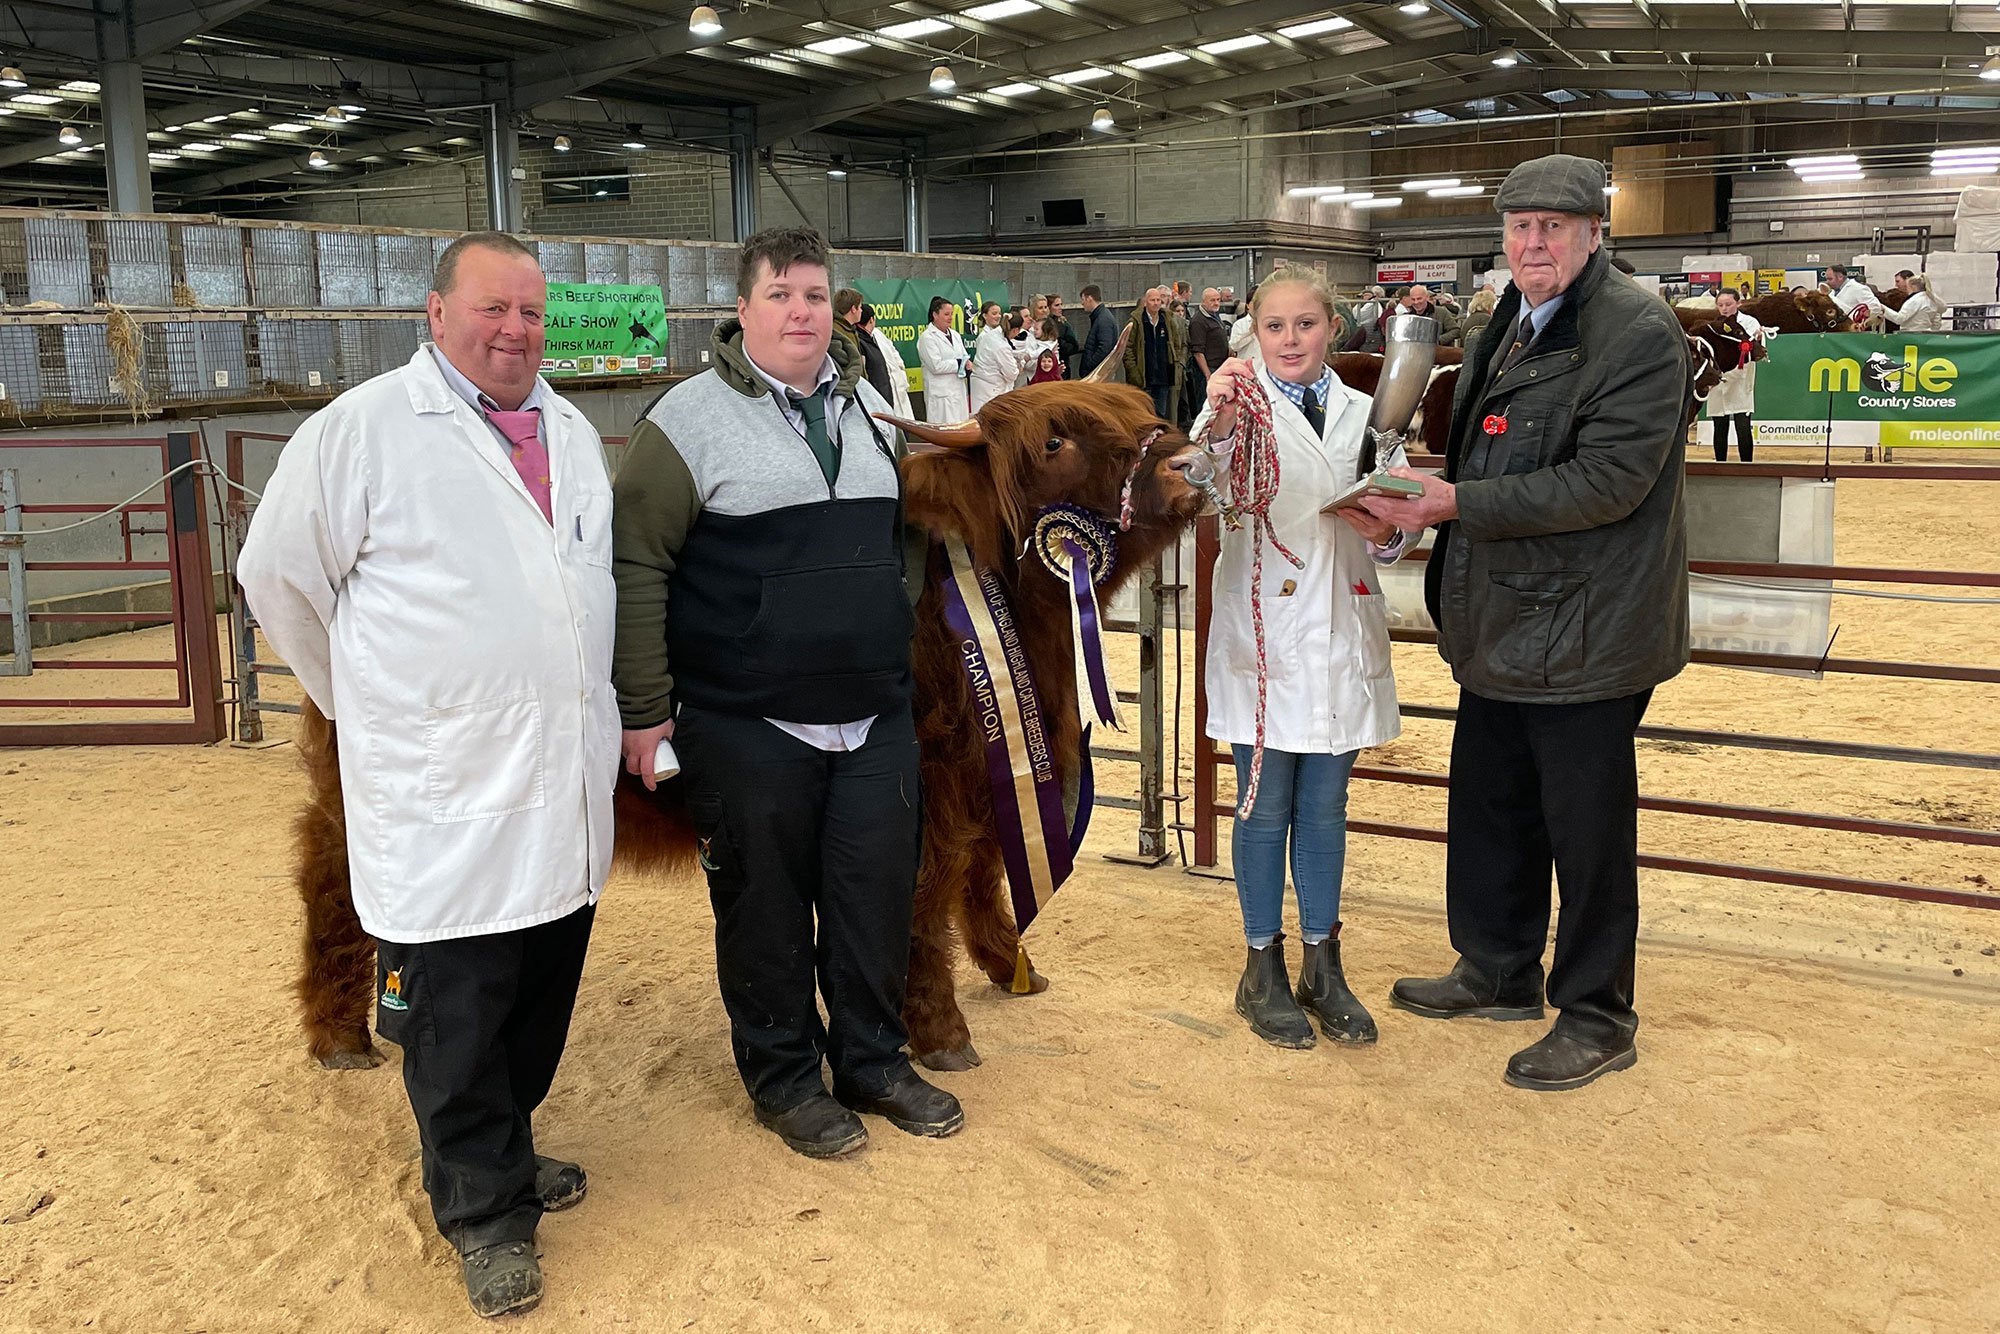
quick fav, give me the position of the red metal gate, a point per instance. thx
(197, 661)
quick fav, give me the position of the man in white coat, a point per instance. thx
(432, 558)
(946, 364)
(1856, 299)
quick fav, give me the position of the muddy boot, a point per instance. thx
(560, 1185)
(1264, 998)
(503, 1277)
(1324, 995)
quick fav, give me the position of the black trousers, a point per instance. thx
(483, 1030)
(1163, 396)
(1535, 785)
(1743, 441)
(812, 870)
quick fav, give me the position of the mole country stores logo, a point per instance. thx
(1920, 391)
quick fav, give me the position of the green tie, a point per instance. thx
(824, 447)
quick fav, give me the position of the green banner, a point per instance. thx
(1898, 390)
(902, 308)
(604, 329)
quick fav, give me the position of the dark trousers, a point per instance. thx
(1163, 400)
(1743, 442)
(794, 838)
(1535, 785)
(482, 1034)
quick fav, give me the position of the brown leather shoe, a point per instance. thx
(1560, 1061)
(1465, 990)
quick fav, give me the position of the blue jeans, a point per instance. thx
(1305, 795)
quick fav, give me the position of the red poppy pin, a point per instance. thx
(1495, 424)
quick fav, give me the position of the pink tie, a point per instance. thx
(529, 455)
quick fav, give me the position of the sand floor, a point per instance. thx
(1808, 1142)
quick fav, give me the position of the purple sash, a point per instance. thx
(1020, 767)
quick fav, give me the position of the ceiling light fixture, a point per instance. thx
(1084, 75)
(1379, 201)
(1829, 160)
(1415, 8)
(1014, 89)
(81, 86)
(34, 99)
(1159, 59)
(561, 144)
(11, 77)
(837, 46)
(1100, 120)
(1506, 57)
(1456, 191)
(69, 135)
(1438, 183)
(1301, 191)
(282, 127)
(1991, 69)
(1002, 9)
(1357, 197)
(1225, 45)
(318, 160)
(941, 80)
(1316, 28)
(916, 28)
(704, 21)
(836, 170)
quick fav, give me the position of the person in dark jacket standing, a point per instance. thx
(1156, 353)
(1559, 589)
(765, 595)
(847, 309)
(1102, 336)
(1208, 344)
(1067, 348)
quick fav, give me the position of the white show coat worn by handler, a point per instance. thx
(899, 374)
(461, 641)
(941, 352)
(996, 364)
(1736, 392)
(1329, 687)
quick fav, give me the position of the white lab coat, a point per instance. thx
(899, 374)
(461, 641)
(996, 364)
(941, 352)
(1920, 313)
(1855, 295)
(1329, 685)
(1737, 391)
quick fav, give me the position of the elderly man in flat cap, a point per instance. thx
(1559, 589)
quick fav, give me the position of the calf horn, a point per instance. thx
(958, 435)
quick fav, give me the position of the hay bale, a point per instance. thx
(185, 297)
(127, 344)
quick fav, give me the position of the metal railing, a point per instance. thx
(1208, 759)
(196, 663)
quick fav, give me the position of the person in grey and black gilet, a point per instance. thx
(766, 589)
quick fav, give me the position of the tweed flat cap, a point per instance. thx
(1560, 182)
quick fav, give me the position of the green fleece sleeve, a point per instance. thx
(653, 505)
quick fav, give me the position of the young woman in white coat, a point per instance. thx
(941, 353)
(899, 376)
(1324, 669)
(996, 360)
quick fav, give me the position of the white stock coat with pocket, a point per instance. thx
(461, 642)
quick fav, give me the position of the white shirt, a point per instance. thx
(834, 737)
(537, 400)
(1854, 293)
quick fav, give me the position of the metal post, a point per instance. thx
(128, 172)
(743, 172)
(236, 517)
(916, 210)
(194, 580)
(1152, 719)
(503, 159)
(13, 546)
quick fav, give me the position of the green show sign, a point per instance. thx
(604, 329)
(1897, 390)
(902, 308)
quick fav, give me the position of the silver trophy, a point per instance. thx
(1409, 353)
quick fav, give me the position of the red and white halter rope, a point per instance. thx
(1253, 485)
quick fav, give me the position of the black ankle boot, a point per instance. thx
(1264, 998)
(1324, 994)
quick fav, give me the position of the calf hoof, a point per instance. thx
(352, 1060)
(962, 1059)
(1037, 984)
